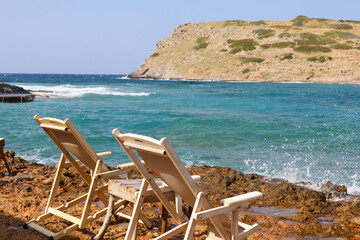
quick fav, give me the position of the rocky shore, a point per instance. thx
(287, 211)
(302, 49)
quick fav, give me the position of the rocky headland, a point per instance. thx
(287, 211)
(298, 50)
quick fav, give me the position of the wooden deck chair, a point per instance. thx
(163, 161)
(131, 190)
(74, 151)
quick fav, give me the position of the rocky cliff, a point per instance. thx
(298, 50)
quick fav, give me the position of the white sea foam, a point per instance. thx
(72, 91)
(124, 77)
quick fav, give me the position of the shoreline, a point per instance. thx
(356, 81)
(287, 211)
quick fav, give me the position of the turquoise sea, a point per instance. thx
(300, 132)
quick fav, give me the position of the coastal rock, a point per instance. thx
(355, 220)
(313, 215)
(277, 51)
(14, 94)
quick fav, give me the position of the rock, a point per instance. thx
(333, 190)
(355, 220)
(10, 93)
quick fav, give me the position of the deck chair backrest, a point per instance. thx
(162, 159)
(68, 139)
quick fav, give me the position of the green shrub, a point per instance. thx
(265, 46)
(155, 54)
(312, 59)
(284, 35)
(343, 35)
(243, 44)
(349, 41)
(245, 71)
(263, 33)
(283, 44)
(236, 23)
(311, 49)
(223, 50)
(261, 22)
(201, 40)
(265, 75)
(201, 45)
(321, 19)
(352, 21)
(322, 59)
(286, 56)
(313, 39)
(341, 26)
(358, 48)
(300, 21)
(341, 46)
(252, 59)
(281, 26)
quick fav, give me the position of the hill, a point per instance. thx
(298, 50)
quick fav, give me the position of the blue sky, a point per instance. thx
(115, 37)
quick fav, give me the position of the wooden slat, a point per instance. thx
(104, 154)
(192, 223)
(144, 148)
(63, 215)
(41, 229)
(131, 232)
(173, 232)
(248, 231)
(212, 212)
(56, 182)
(65, 232)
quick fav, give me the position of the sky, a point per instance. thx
(115, 36)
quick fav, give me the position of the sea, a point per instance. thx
(301, 132)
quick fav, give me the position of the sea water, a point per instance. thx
(300, 132)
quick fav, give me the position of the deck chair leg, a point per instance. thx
(106, 223)
(234, 224)
(164, 219)
(192, 223)
(146, 221)
(90, 196)
(56, 182)
(131, 232)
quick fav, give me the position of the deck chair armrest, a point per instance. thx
(104, 154)
(230, 204)
(241, 200)
(129, 165)
(113, 173)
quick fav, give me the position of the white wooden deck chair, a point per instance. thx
(163, 161)
(74, 151)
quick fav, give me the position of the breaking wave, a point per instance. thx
(73, 91)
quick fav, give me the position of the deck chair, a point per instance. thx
(163, 161)
(75, 151)
(131, 190)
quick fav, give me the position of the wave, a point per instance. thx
(73, 91)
